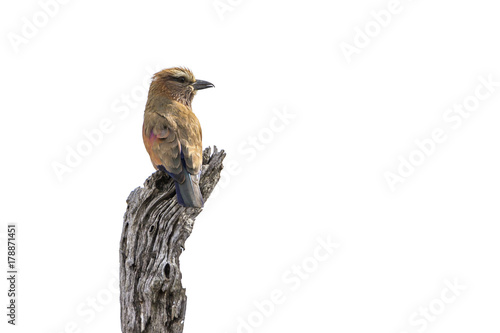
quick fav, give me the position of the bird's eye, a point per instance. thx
(181, 79)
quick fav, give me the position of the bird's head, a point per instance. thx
(178, 84)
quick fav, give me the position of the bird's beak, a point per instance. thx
(200, 84)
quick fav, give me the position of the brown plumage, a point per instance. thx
(172, 133)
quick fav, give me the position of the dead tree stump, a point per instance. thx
(155, 228)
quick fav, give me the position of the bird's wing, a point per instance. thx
(168, 139)
(162, 143)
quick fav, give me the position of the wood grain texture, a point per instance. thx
(155, 229)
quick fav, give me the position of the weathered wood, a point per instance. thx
(155, 228)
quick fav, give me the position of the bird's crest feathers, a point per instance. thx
(175, 72)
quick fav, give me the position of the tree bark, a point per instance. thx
(155, 228)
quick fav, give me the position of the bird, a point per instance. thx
(172, 133)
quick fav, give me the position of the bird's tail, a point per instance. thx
(188, 192)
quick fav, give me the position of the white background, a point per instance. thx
(320, 175)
